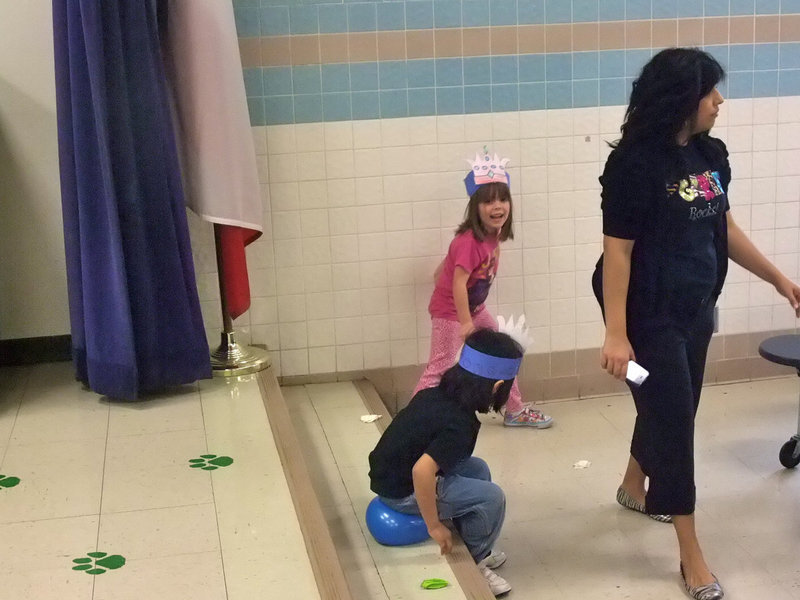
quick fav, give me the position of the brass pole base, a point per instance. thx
(231, 360)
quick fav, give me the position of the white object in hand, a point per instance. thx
(636, 373)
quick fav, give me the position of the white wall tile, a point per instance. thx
(560, 150)
(284, 195)
(321, 332)
(421, 130)
(341, 192)
(313, 194)
(286, 225)
(294, 362)
(425, 215)
(350, 357)
(283, 168)
(374, 301)
(477, 128)
(317, 250)
(289, 280)
(281, 139)
(367, 163)
(338, 135)
(403, 352)
(288, 253)
(293, 335)
(562, 337)
(314, 223)
(310, 137)
(358, 215)
(347, 303)
(562, 259)
(291, 308)
(372, 246)
(348, 330)
(322, 360)
(339, 164)
(263, 310)
(375, 328)
(401, 299)
(310, 166)
(367, 134)
(377, 355)
(319, 305)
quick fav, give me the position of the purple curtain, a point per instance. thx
(135, 314)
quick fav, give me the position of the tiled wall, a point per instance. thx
(364, 60)
(359, 211)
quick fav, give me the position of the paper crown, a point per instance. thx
(495, 367)
(486, 169)
(518, 331)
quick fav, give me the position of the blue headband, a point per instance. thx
(472, 187)
(488, 366)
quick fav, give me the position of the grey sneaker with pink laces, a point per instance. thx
(528, 417)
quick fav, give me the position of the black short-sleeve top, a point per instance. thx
(676, 215)
(431, 424)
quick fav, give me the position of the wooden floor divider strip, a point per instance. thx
(472, 583)
(322, 554)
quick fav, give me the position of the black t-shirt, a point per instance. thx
(431, 424)
(680, 256)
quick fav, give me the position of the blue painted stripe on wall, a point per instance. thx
(284, 17)
(424, 87)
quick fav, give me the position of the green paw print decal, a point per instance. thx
(98, 563)
(210, 462)
(8, 482)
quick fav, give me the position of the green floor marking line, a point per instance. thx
(97, 563)
(210, 462)
(8, 482)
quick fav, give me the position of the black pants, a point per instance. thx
(674, 353)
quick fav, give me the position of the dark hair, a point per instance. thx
(474, 392)
(472, 218)
(666, 96)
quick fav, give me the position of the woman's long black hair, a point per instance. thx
(666, 95)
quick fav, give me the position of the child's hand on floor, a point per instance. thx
(443, 537)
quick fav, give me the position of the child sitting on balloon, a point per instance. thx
(423, 463)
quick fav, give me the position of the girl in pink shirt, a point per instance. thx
(464, 277)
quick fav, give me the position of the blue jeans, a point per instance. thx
(466, 495)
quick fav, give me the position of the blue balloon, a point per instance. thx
(392, 528)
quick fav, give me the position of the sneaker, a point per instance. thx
(494, 560)
(528, 417)
(497, 584)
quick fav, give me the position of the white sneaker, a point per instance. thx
(497, 584)
(495, 559)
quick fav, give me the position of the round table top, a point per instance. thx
(782, 349)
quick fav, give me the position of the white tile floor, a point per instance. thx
(115, 477)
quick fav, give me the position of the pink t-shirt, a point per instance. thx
(480, 260)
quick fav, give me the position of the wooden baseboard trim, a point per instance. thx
(328, 571)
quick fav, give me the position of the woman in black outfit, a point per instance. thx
(667, 237)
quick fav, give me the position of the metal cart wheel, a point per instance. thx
(785, 350)
(790, 453)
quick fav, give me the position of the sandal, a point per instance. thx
(709, 591)
(626, 500)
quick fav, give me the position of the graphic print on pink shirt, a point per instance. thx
(480, 259)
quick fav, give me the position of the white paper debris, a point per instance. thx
(370, 418)
(581, 464)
